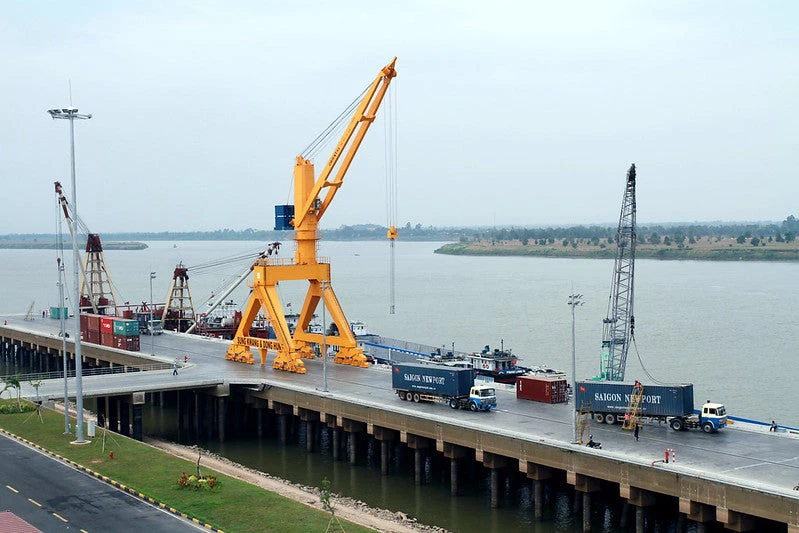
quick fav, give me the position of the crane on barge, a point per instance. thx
(619, 326)
(310, 204)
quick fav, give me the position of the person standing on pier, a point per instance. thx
(174, 369)
(637, 426)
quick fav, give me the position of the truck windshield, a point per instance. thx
(487, 392)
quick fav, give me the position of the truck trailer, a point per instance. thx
(431, 383)
(608, 402)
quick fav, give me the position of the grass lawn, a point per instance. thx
(232, 505)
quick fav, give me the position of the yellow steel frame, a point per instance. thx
(308, 210)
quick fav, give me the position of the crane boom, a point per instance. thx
(618, 327)
(73, 230)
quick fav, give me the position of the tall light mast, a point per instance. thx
(618, 327)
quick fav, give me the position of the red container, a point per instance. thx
(133, 344)
(107, 339)
(94, 322)
(547, 390)
(107, 325)
(127, 313)
(125, 342)
(84, 322)
(84, 332)
(93, 336)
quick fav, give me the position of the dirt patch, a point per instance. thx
(345, 508)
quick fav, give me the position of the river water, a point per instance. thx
(730, 328)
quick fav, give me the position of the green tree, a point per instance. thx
(654, 238)
(741, 239)
(755, 241)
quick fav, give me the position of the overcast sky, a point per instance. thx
(507, 113)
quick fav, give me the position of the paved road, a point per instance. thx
(765, 461)
(52, 496)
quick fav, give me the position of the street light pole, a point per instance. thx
(71, 113)
(150, 327)
(63, 336)
(324, 335)
(575, 300)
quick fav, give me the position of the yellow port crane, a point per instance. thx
(312, 197)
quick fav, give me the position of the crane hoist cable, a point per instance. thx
(390, 128)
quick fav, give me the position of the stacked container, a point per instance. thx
(90, 328)
(542, 389)
(110, 331)
(126, 334)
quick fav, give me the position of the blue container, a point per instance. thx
(614, 397)
(431, 379)
(283, 223)
(284, 210)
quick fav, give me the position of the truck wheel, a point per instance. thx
(610, 419)
(401, 395)
(453, 402)
(707, 427)
(676, 424)
(472, 406)
(416, 397)
(599, 417)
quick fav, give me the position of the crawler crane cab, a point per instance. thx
(312, 197)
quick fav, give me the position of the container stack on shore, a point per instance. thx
(110, 331)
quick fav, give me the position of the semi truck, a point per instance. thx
(674, 404)
(431, 383)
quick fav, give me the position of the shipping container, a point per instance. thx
(106, 338)
(93, 336)
(58, 312)
(125, 327)
(92, 321)
(127, 342)
(657, 400)
(127, 313)
(107, 324)
(431, 379)
(542, 389)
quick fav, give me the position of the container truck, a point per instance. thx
(431, 383)
(674, 404)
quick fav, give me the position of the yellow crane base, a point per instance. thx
(240, 354)
(351, 356)
(289, 364)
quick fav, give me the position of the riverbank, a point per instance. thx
(345, 508)
(704, 249)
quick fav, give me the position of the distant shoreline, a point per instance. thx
(32, 245)
(723, 250)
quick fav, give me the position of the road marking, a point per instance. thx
(12, 489)
(34, 502)
(60, 517)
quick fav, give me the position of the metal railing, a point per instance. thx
(102, 371)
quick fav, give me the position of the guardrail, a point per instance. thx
(104, 371)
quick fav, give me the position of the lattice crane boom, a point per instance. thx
(618, 327)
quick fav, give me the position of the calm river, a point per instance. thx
(729, 328)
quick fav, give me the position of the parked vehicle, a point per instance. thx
(609, 401)
(450, 385)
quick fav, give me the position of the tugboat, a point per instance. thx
(499, 364)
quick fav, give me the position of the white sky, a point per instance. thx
(524, 113)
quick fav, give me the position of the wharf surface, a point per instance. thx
(739, 479)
